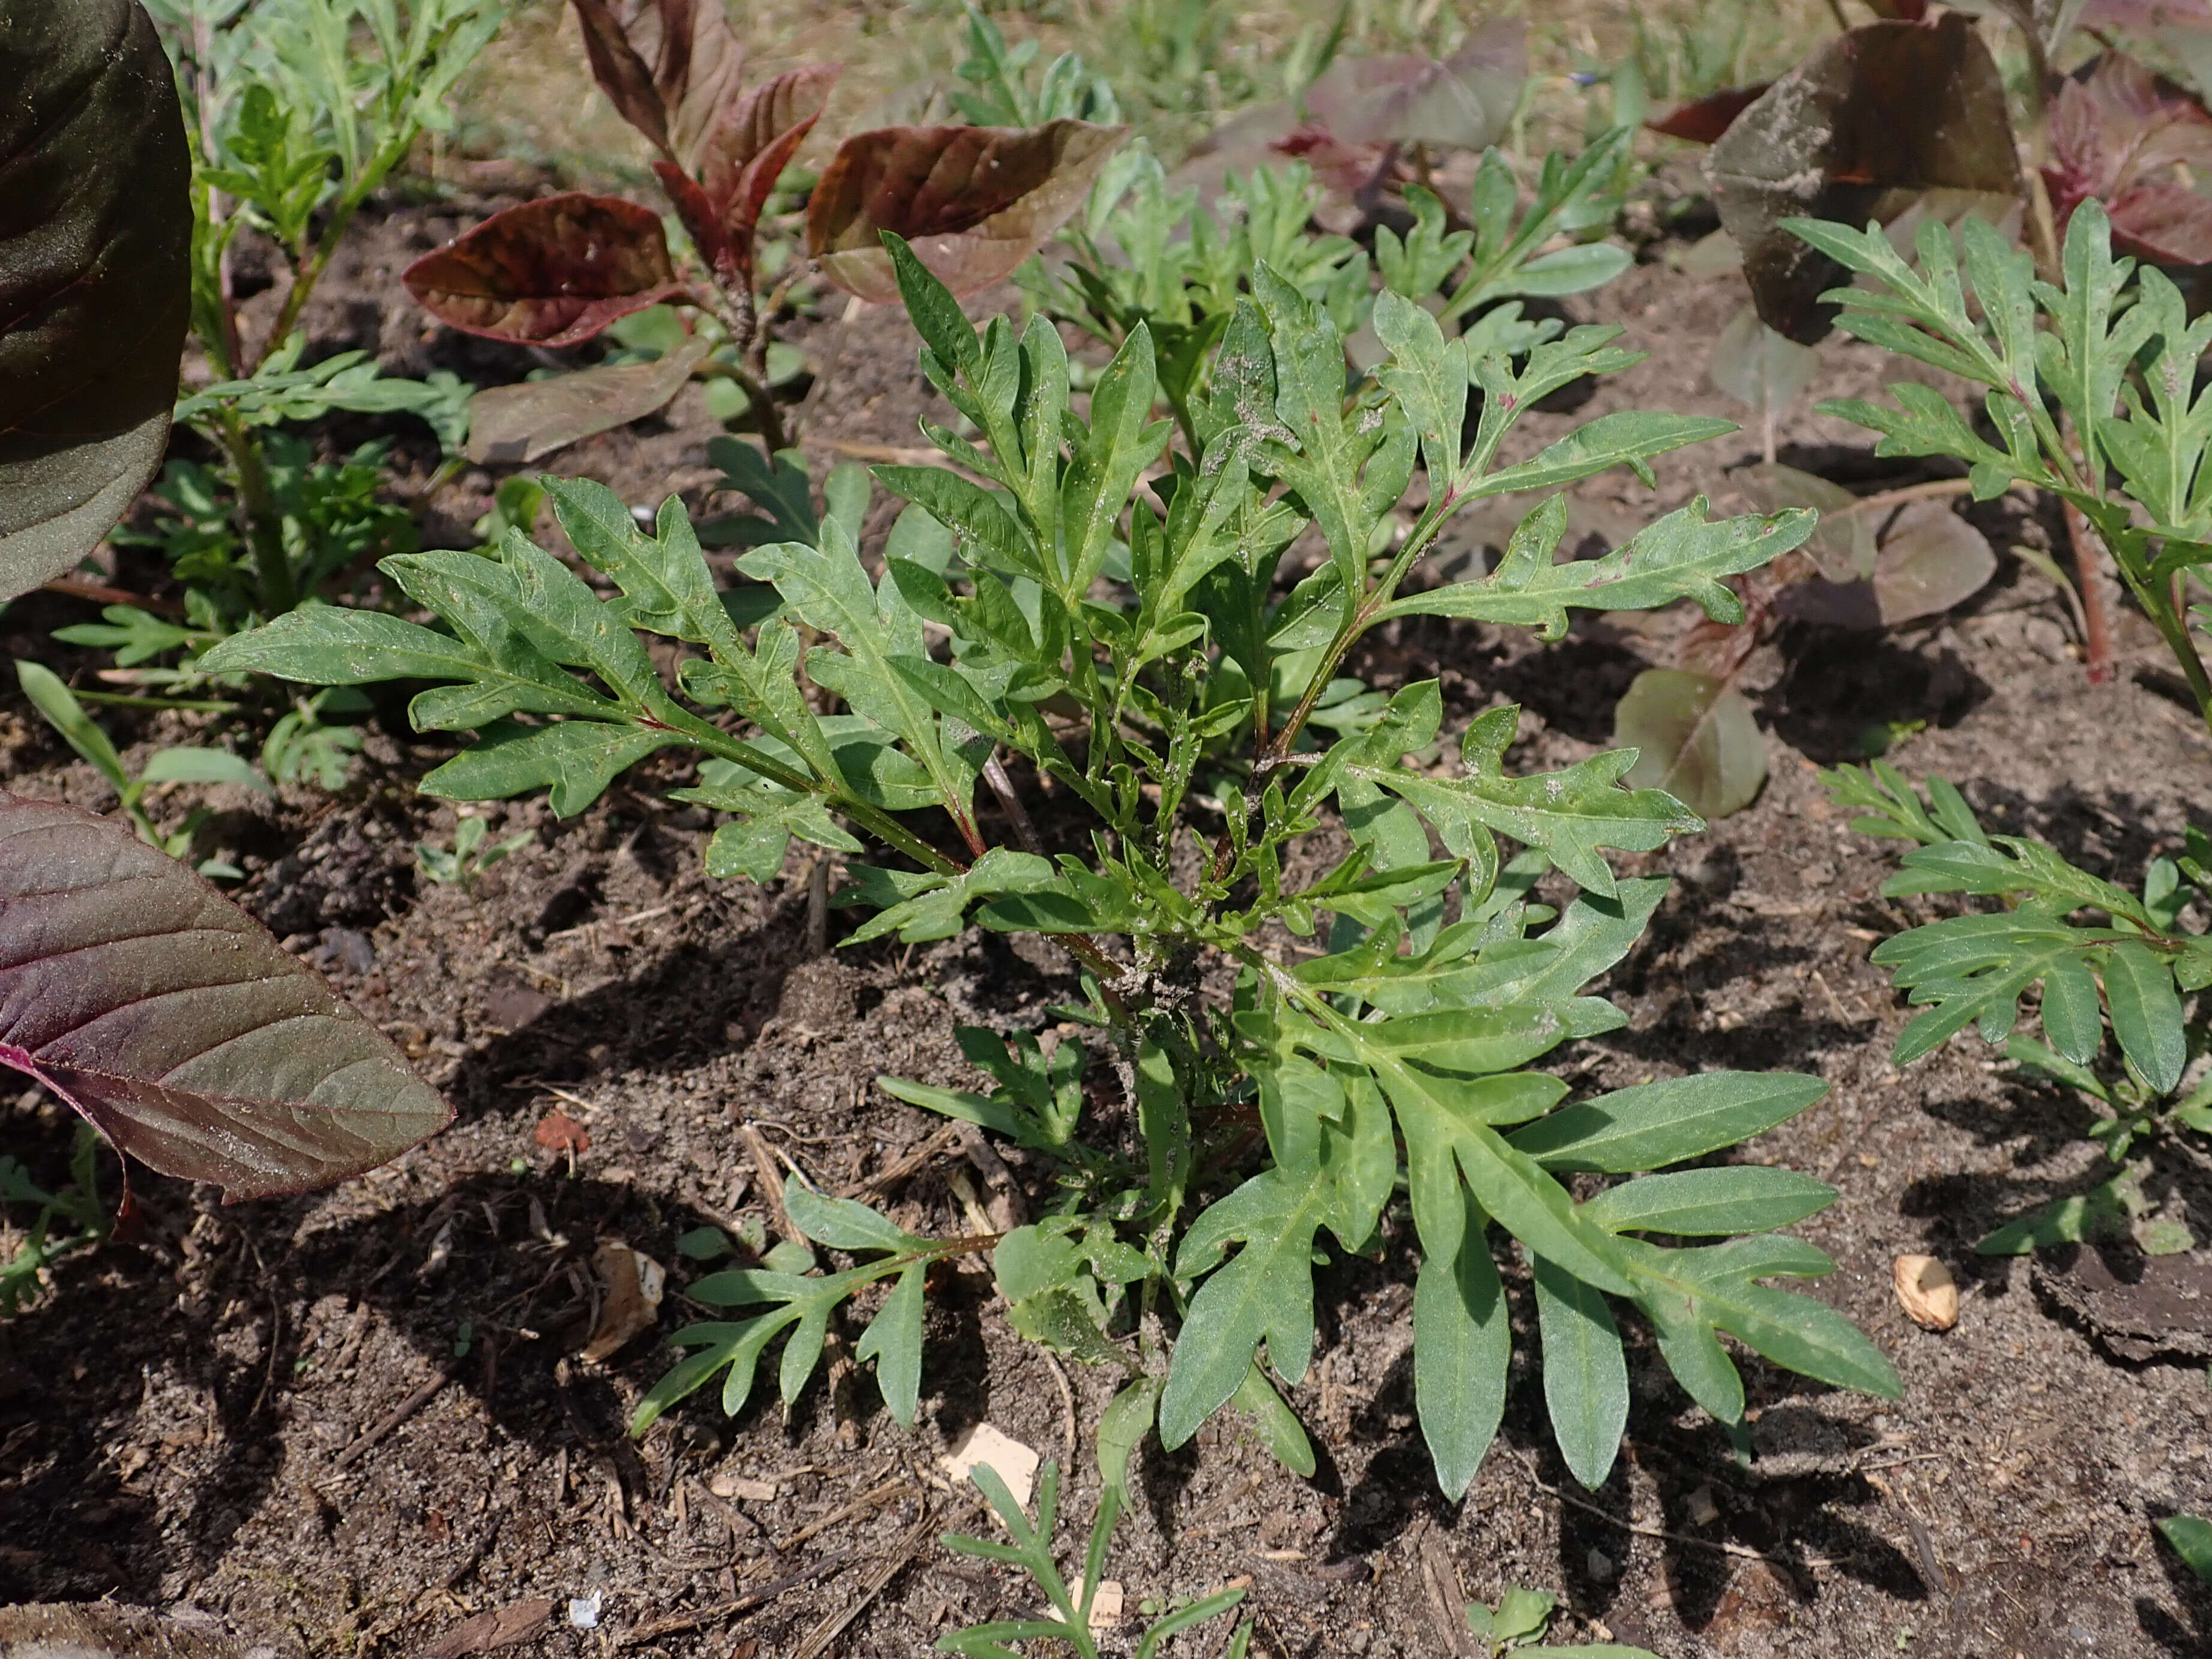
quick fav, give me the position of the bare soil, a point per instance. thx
(349, 1422)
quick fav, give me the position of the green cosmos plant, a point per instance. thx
(1133, 625)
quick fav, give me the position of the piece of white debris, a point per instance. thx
(584, 1611)
(630, 1283)
(985, 1446)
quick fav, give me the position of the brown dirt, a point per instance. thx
(234, 1413)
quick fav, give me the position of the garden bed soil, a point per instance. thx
(351, 1422)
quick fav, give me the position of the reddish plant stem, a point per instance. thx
(2089, 578)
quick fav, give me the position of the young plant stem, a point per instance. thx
(265, 519)
(2090, 580)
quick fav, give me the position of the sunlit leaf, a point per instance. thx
(549, 272)
(974, 202)
(95, 275)
(177, 1026)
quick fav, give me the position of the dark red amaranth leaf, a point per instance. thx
(551, 272)
(1702, 121)
(975, 201)
(744, 158)
(96, 274)
(1879, 115)
(177, 1026)
(2122, 134)
(671, 67)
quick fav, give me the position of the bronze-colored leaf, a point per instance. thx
(743, 159)
(524, 421)
(2128, 138)
(1462, 102)
(1877, 115)
(551, 272)
(975, 201)
(671, 68)
(95, 281)
(177, 1026)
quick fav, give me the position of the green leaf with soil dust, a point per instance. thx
(973, 202)
(1695, 738)
(177, 1026)
(95, 275)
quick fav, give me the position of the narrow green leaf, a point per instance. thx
(1585, 1372)
(1745, 1198)
(2146, 1014)
(1655, 1124)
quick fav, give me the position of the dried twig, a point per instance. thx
(887, 1493)
(398, 1414)
(832, 1627)
(893, 1173)
(676, 1623)
(1719, 1545)
(763, 1159)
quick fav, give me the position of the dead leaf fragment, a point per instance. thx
(499, 1627)
(984, 1446)
(557, 1132)
(752, 1491)
(1926, 1292)
(630, 1283)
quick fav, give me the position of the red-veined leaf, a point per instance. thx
(1702, 121)
(533, 418)
(975, 201)
(2122, 134)
(1877, 116)
(177, 1026)
(551, 272)
(1462, 102)
(95, 281)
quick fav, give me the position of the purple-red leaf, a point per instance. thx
(177, 1026)
(1858, 132)
(2125, 136)
(1702, 121)
(551, 272)
(743, 159)
(975, 201)
(1462, 102)
(671, 67)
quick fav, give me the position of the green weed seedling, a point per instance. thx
(165, 766)
(1517, 1621)
(22, 1272)
(1118, 624)
(298, 111)
(468, 858)
(1032, 1550)
(2102, 955)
